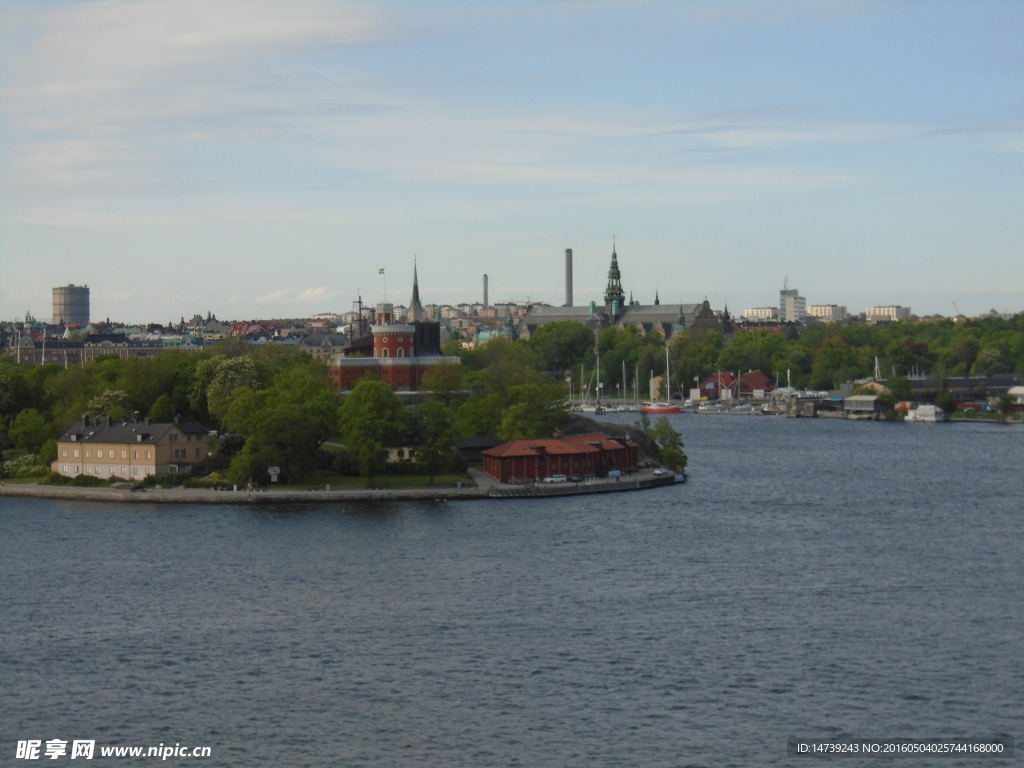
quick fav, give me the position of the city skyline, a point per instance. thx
(267, 159)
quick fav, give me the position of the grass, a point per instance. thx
(21, 480)
(347, 482)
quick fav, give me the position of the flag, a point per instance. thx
(382, 270)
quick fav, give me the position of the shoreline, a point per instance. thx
(487, 488)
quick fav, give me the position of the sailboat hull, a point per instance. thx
(660, 409)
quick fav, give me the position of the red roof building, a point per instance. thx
(583, 455)
(713, 386)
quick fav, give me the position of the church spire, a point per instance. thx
(415, 308)
(657, 301)
(614, 292)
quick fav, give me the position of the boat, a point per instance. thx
(663, 407)
(659, 408)
(929, 414)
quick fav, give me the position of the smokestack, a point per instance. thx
(485, 292)
(568, 277)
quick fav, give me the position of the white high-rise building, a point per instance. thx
(792, 306)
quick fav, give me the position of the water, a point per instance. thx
(814, 578)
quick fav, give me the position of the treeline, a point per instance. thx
(820, 356)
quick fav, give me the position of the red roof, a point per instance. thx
(573, 444)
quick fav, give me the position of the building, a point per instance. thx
(761, 314)
(617, 312)
(71, 305)
(828, 313)
(886, 314)
(129, 450)
(324, 346)
(400, 352)
(792, 306)
(724, 385)
(583, 455)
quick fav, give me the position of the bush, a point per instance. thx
(25, 466)
(88, 481)
(55, 478)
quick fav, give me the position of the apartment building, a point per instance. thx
(129, 450)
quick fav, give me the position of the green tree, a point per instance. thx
(561, 346)
(370, 416)
(231, 375)
(112, 402)
(30, 430)
(162, 411)
(668, 443)
(445, 382)
(437, 429)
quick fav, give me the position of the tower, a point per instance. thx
(613, 293)
(415, 308)
(485, 292)
(568, 277)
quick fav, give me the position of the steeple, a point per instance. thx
(415, 308)
(657, 301)
(614, 292)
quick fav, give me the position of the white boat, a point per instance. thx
(928, 414)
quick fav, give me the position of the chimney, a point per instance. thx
(177, 418)
(485, 292)
(568, 277)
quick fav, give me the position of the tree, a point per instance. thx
(162, 411)
(30, 430)
(437, 428)
(113, 402)
(231, 374)
(669, 444)
(445, 382)
(282, 435)
(370, 416)
(561, 346)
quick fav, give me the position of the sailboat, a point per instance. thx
(663, 407)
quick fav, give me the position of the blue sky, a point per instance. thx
(265, 159)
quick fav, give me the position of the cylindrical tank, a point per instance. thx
(71, 304)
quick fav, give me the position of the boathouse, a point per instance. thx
(526, 460)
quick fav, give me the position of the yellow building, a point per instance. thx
(129, 450)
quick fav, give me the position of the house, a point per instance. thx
(595, 454)
(129, 450)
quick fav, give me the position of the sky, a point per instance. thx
(266, 159)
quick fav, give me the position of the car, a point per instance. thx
(575, 479)
(555, 479)
(660, 471)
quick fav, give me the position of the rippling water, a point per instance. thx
(814, 578)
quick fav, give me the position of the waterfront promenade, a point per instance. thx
(486, 488)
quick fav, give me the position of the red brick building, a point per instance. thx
(401, 354)
(576, 455)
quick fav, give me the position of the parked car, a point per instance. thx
(575, 479)
(660, 471)
(555, 479)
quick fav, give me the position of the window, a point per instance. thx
(88, 469)
(124, 454)
(135, 454)
(148, 455)
(64, 469)
(135, 470)
(401, 352)
(197, 453)
(172, 438)
(188, 438)
(384, 352)
(76, 453)
(64, 454)
(88, 453)
(124, 470)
